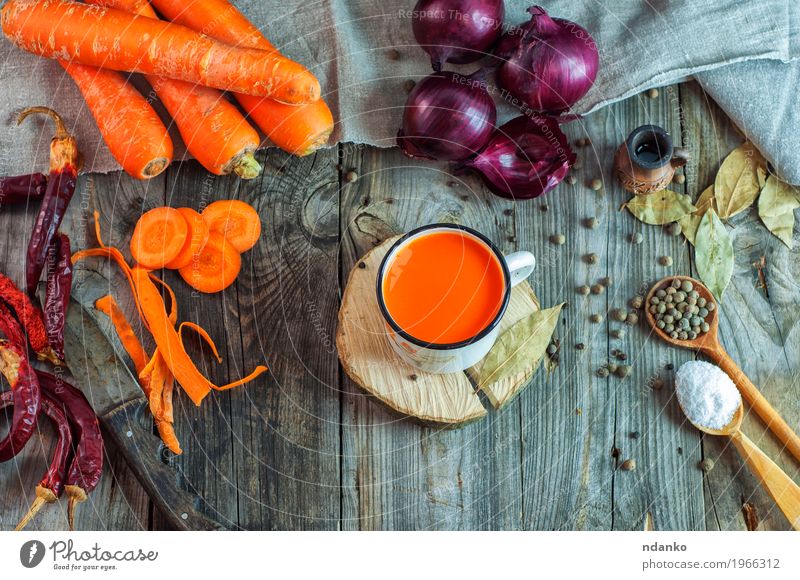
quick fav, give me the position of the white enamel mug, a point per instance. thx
(453, 357)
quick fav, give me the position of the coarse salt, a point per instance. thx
(707, 394)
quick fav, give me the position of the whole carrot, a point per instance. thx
(113, 39)
(131, 129)
(213, 129)
(297, 129)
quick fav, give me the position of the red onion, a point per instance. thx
(448, 117)
(457, 31)
(550, 63)
(526, 157)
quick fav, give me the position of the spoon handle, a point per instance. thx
(783, 490)
(757, 402)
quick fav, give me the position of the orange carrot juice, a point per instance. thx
(444, 287)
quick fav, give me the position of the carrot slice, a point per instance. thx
(130, 341)
(158, 237)
(237, 221)
(215, 268)
(196, 385)
(195, 240)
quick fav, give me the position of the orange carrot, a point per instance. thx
(237, 221)
(204, 335)
(131, 129)
(130, 341)
(158, 237)
(215, 267)
(195, 240)
(114, 39)
(169, 342)
(297, 129)
(213, 129)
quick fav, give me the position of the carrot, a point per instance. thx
(204, 335)
(114, 39)
(213, 129)
(168, 341)
(215, 267)
(237, 221)
(131, 129)
(158, 237)
(130, 341)
(297, 129)
(195, 240)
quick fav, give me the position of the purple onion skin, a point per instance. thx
(457, 31)
(525, 158)
(548, 63)
(448, 117)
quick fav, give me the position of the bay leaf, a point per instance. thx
(776, 207)
(737, 183)
(661, 207)
(713, 253)
(689, 223)
(520, 347)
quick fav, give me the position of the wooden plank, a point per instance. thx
(265, 456)
(118, 503)
(758, 327)
(397, 474)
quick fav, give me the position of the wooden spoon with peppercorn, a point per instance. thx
(780, 486)
(707, 343)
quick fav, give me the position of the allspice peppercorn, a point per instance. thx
(351, 176)
(596, 184)
(623, 371)
(673, 229)
(637, 302)
(595, 319)
(591, 223)
(571, 179)
(636, 238)
(679, 178)
(707, 465)
(592, 258)
(558, 239)
(583, 290)
(598, 288)
(602, 372)
(665, 260)
(628, 465)
(632, 319)
(619, 314)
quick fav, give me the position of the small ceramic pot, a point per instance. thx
(454, 357)
(646, 162)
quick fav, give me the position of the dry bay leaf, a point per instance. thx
(661, 207)
(776, 207)
(713, 254)
(520, 347)
(737, 183)
(690, 222)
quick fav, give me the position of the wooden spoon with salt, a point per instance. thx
(783, 490)
(708, 344)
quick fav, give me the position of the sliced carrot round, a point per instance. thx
(215, 267)
(158, 237)
(237, 221)
(195, 240)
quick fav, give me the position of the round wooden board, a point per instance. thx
(445, 400)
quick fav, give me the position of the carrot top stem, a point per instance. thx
(246, 166)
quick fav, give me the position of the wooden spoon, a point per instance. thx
(783, 490)
(708, 344)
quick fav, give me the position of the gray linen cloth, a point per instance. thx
(741, 53)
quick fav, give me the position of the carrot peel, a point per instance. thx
(108, 306)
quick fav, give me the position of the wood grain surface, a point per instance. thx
(303, 447)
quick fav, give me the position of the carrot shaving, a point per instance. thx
(167, 432)
(202, 332)
(196, 385)
(108, 306)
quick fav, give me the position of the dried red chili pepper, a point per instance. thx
(59, 286)
(30, 317)
(64, 165)
(22, 188)
(9, 326)
(87, 466)
(51, 486)
(25, 387)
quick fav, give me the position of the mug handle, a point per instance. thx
(520, 266)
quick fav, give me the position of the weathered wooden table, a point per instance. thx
(306, 449)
